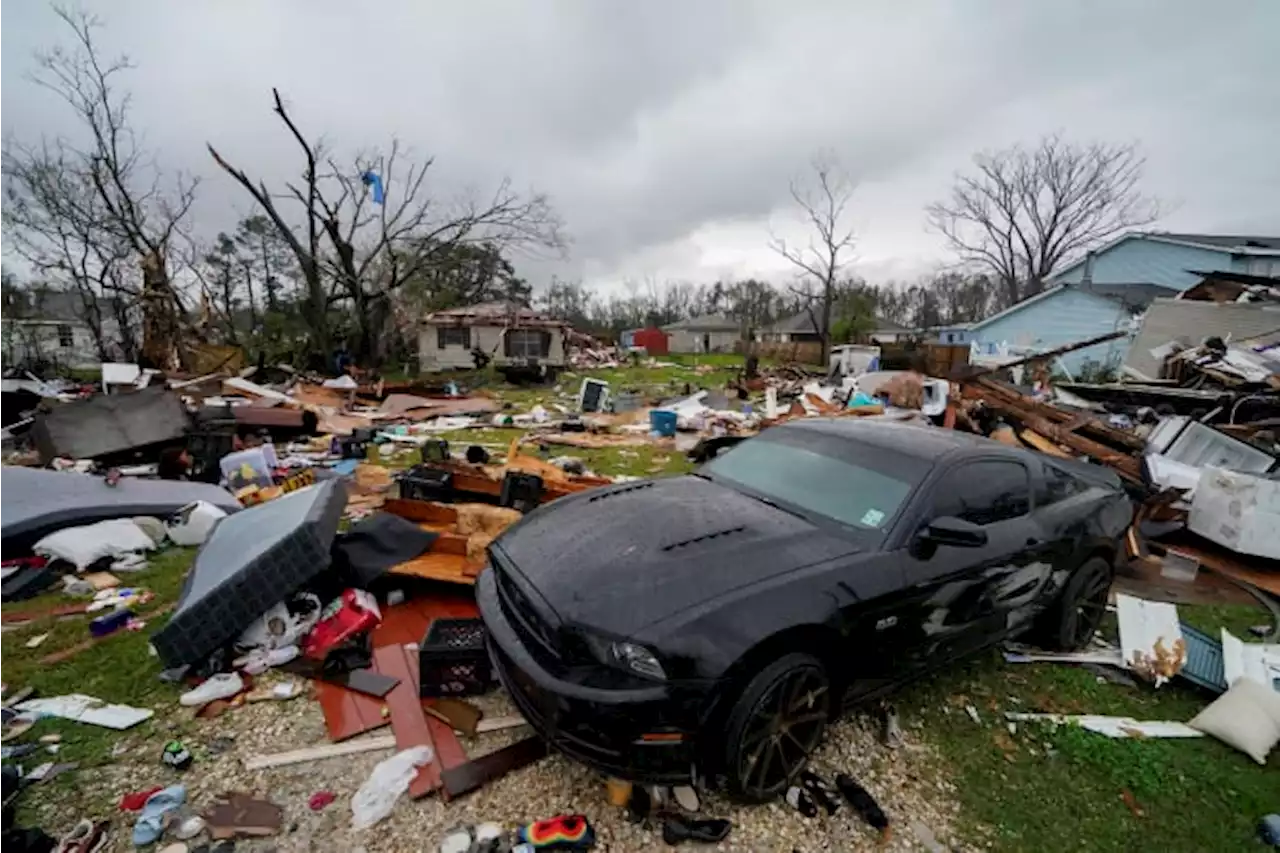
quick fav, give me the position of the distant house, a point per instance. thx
(955, 333)
(800, 328)
(1108, 288)
(51, 326)
(504, 333)
(708, 333)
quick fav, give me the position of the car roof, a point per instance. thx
(922, 442)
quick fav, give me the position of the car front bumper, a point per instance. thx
(646, 734)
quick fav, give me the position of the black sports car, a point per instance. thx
(717, 620)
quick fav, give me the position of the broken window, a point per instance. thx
(453, 337)
(528, 343)
(66, 336)
(1057, 485)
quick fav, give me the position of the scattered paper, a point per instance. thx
(87, 709)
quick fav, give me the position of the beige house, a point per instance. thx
(708, 333)
(507, 335)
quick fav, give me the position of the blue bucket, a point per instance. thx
(663, 423)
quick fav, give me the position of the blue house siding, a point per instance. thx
(1060, 318)
(1138, 259)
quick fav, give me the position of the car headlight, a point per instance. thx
(632, 657)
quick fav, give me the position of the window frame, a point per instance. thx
(66, 335)
(443, 334)
(958, 470)
(539, 337)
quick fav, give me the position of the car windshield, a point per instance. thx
(865, 494)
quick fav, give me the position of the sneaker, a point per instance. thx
(221, 686)
(85, 837)
(259, 661)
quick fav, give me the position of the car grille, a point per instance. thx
(533, 630)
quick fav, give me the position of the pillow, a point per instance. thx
(1247, 717)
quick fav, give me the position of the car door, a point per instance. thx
(960, 598)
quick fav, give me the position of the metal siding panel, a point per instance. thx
(1139, 260)
(1063, 318)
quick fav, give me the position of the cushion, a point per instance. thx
(1247, 717)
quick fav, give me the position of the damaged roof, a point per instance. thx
(492, 314)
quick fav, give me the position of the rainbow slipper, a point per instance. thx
(564, 832)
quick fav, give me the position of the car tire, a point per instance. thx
(775, 725)
(1071, 624)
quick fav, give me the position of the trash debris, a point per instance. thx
(390, 778)
(320, 799)
(151, 823)
(1151, 638)
(678, 828)
(236, 814)
(865, 805)
(176, 755)
(563, 832)
(86, 709)
(1113, 727)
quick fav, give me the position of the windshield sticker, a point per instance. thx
(872, 518)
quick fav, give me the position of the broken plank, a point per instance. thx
(1044, 445)
(408, 722)
(317, 753)
(468, 777)
(497, 724)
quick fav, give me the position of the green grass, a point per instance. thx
(118, 669)
(1043, 788)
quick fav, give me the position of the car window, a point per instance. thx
(984, 492)
(1057, 485)
(840, 489)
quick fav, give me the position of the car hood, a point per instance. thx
(622, 557)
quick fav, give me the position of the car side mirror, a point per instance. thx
(949, 530)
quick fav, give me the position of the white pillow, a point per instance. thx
(1247, 717)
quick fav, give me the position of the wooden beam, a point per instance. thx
(316, 753)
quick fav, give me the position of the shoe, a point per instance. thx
(798, 798)
(864, 804)
(221, 686)
(686, 797)
(821, 791)
(85, 837)
(259, 661)
(677, 828)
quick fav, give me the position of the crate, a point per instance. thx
(426, 484)
(350, 447)
(520, 491)
(453, 661)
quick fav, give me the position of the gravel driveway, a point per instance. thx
(905, 782)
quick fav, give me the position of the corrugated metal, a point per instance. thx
(1191, 322)
(1061, 318)
(1204, 660)
(1165, 264)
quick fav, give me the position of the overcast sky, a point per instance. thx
(667, 132)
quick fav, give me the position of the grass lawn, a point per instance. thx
(119, 668)
(1041, 788)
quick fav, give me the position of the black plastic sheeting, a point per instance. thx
(251, 560)
(111, 423)
(375, 544)
(35, 502)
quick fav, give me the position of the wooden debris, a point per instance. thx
(317, 753)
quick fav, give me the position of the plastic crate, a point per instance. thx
(520, 491)
(453, 661)
(426, 484)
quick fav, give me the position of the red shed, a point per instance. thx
(653, 339)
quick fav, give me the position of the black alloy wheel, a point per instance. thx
(1084, 614)
(776, 725)
(1073, 622)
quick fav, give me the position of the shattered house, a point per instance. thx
(505, 334)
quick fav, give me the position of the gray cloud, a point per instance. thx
(667, 132)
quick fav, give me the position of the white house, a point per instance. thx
(505, 334)
(708, 333)
(51, 326)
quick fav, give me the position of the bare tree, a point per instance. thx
(823, 200)
(80, 211)
(352, 248)
(1024, 210)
